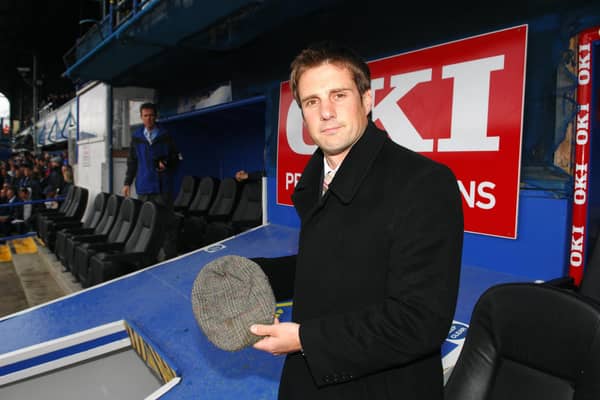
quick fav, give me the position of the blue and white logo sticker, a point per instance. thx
(453, 344)
(214, 248)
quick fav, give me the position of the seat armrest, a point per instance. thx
(563, 282)
(130, 258)
(79, 231)
(218, 218)
(107, 246)
(91, 238)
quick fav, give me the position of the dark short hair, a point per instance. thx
(148, 106)
(330, 53)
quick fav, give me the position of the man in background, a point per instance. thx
(151, 162)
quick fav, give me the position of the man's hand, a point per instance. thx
(126, 191)
(161, 166)
(241, 175)
(279, 338)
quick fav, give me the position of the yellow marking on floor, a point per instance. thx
(5, 254)
(24, 246)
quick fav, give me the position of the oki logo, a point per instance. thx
(470, 102)
(469, 110)
(458, 103)
(585, 60)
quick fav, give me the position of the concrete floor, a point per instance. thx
(31, 275)
(12, 295)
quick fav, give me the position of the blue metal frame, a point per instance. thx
(218, 107)
(114, 34)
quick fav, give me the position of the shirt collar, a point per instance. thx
(327, 169)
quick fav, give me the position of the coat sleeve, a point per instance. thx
(413, 319)
(132, 165)
(174, 156)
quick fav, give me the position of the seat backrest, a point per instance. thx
(110, 215)
(590, 283)
(226, 198)
(94, 216)
(123, 226)
(79, 203)
(205, 195)
(528, 342)
(186, 193)
(74, 202)
(64, 206)
(249, 207)
(145, 230)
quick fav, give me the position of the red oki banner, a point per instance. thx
(582, 154)
(459, 103)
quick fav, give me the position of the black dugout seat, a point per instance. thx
(194, 227)
(64, 208)
(529, 342)
(92, 220)
(89, 245)
(72, 236)
(590, 282)
(247, 214)
(139, 251)
(186, 193)
(50, 224)
(205, 195)
(199, 206)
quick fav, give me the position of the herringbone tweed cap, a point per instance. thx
(230, 294)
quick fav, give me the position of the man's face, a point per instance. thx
(334, 113)
(148, 118)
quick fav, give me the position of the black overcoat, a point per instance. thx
(376, 275)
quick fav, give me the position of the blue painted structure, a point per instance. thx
(220, 140)
(157, 300)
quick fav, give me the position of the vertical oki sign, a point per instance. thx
(582, 154)
(459, 103)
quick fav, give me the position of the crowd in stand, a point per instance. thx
(25, 177)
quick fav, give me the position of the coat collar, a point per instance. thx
(139, 133)
(348, 178)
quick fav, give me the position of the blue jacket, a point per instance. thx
(143, 160)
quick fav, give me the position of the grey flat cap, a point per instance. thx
(230, 294)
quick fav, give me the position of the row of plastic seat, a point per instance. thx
(119, 235)
(208, 210)
(69, 213)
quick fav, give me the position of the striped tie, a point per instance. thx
(327, 180)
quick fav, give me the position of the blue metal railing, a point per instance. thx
(56, 199)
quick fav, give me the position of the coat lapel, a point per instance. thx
(357, 164)
(307, 195)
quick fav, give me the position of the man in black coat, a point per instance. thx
(375, 280)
